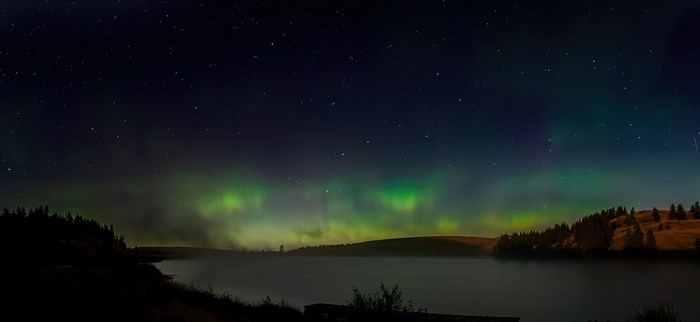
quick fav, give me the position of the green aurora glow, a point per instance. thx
(253, 212)
(314, 124)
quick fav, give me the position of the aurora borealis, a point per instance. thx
(255, 124)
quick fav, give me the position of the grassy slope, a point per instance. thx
(680, 236)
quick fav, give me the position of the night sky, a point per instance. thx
(255, 124)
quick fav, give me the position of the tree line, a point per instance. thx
(37, 233)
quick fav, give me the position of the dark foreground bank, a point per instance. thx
(65, 268)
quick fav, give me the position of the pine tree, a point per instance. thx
(680, 212)
(655, 214)
(620, 212)
(696, 213)
(634, 238)
(650, 242)
(672, 212)
(661, 227)
(630, 218)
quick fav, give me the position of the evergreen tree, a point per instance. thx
(630, 218)
(651, 240)
(672, 212)
(696, 213)
(655, 214)
(661, 227)
(619, 212)
(680, 212)
(634, 238)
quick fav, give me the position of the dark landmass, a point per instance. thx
(413, 246)
(174, 253)
(65, 268)
(410, 246)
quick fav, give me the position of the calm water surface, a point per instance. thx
(534, 291)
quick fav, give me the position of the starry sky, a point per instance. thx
(258, 123)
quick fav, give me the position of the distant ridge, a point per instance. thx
(183, 252)
(409, 246)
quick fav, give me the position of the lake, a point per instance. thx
(547, 291)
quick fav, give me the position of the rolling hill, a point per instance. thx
(613, 232)
(680, 235)
(411, 246)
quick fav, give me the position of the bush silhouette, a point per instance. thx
(658, 313)
(385, 300)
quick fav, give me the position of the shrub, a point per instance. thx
(387, 300)
(658, 313)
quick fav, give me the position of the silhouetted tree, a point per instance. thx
(38, 233)
(672, 212)
(634, 238)
(630, 219)
(650, 242)
(655, 214)
(620, 211)
(661, 227)
(696, 210)
(680, 212)
(594, 232)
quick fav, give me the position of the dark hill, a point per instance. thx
(412, 246)
(180, 252)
